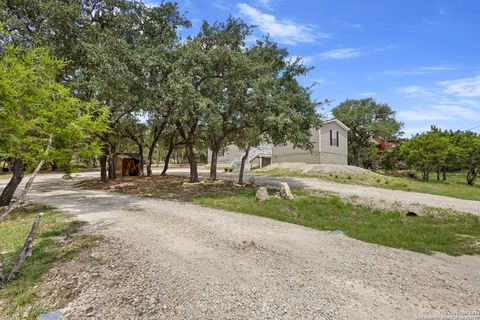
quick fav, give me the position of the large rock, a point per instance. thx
(285, 192)
(262, 194)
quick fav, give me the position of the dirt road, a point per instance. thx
(166, 260)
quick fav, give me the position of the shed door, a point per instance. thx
(129, 168)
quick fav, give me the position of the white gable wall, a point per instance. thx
(333, 154)
(322, 151)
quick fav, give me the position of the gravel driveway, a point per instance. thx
(166, 260)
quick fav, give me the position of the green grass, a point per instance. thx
(455, 186)
(454, 234)
(57, 240)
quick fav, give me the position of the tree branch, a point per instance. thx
(26, 250)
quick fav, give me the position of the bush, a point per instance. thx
(228, 169)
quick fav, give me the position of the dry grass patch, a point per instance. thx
(165, 187)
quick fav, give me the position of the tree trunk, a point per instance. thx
(426, 174)
(356, 155)
(9, 191)
(444, 175)
(104, 159)
(471, 176)
(30, 181)
(149, 163)
(142, 162)
(171, 146)
(103, 167)
(438, 174)
(213, 164)
(192, 161)
(150, 154)
(23, 255)
(111, 166)
(111, 149)
(242, 166)
(21, 200)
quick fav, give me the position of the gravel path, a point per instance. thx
(166, 260)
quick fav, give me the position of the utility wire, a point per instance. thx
(472, 128)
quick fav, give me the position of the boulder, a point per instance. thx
(285, 192)
(262, 194)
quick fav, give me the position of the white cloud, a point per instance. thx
(467, 87)
(413, 91)
(423, 115)
(420, 71)
(452, 100)
(219, 4)
(337, 54)
(387, 47)
(348, 25)
(284, 31)
(435, 112)
(264, 3)
(430, 22)
(443, 12)
(367, 94)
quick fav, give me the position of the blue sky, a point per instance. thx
(422, 57)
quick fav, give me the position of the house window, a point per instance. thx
(221, 152)
(334, 138)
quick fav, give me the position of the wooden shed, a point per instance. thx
(126, 164)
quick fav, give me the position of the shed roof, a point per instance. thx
(135, 156)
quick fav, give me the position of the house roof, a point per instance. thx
(340, 123)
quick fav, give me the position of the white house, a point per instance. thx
(330, 145)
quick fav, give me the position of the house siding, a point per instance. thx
(299, 157)
(333, 154)
(290, 150)
(229, 155)
(322, 151)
